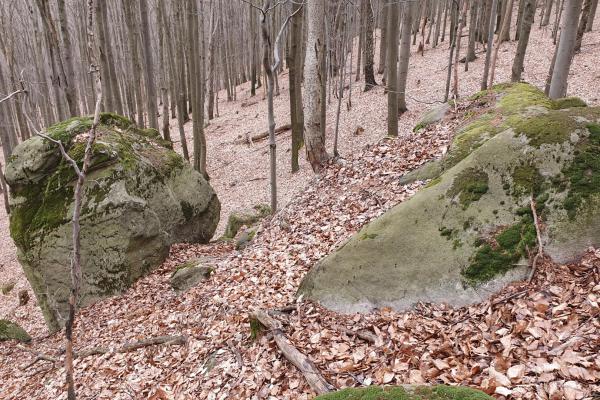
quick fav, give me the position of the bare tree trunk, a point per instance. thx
(342, 76)
(368, 48)
(410, 8)
(132, 37)
(460, 25)
(590, 22)
(472, 34)
(313, 85)
(547, 12)
(164, 89)
(585, 14)
(560, 74)
(503, 30)
(68, 53)
(392, 70)
(527, 21)
(294, 63)
(149, 67)
(382, 40)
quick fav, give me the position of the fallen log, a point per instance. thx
(306, 367)
(127, 347)
(250, 139)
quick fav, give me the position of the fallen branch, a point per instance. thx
(540, 251)
(249, 139)
(363, 334)
(306, 367)
(126, 348)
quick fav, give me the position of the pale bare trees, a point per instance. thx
(392, 72)
(314, 132)
(366, 21)
(525, 30)
(564, 52)
(149, 78)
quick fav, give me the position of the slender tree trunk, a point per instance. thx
(294, 63)
(382, 40)
(585, 14)
(313, 85)
(560, 74)
(527, 21)
(392, 70)
(547, 13)
(149, 67)
(68, 54)
(368, 48)
(590, 22)
(503, 30)
(410, 9)
(472, 34)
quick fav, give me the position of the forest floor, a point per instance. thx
(540, 340)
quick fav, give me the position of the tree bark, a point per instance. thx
(294, 62)
(68, 53)
(392, 70)
(585, 14)
(564, 56)
(382, 40)
(368, 48)
(590, 22)
(149, 67)
(410, 9)
(503, 30)
(527, 21)
(314, 137)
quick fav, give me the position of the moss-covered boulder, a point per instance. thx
(11, 331)
(188, 274)
(470, 230)
(139, 198)
(246, 217)
(407, 392)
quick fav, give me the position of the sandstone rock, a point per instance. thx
(189, 274)
(467, 233)
(248, 217)
(139, 198)
(11, 331)
(407, 392)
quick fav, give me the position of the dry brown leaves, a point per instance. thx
(540, 341)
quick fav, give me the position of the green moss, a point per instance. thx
(256, 328)
(66, 130)
(446, 232)
(568, 102)
(551, 128)
(469, 139)
(433, 182)
(526, 180)
(419, 126)
(498, 256)
(470, 185)
(438, 392)
(518, 96)
(11, 331)
(7, 288)
(366, 236)
(583, 173)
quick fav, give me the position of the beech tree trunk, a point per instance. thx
(585, 14)
(148, 67)
(407, 20)
(566, 46)
(392, 70)
(314, 137)
(294, 62)
(368, 48)
(527, 21)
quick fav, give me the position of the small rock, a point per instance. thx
(23, 297)
(7, 288)
(11, 331)
(189, 274)
(239, 218)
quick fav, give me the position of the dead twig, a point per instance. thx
(251, 139)
(306, 367)
(540, 252)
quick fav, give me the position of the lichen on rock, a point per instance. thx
(139, 197)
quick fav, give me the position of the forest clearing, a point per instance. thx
(436, 237)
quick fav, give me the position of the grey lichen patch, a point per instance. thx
(469, 185)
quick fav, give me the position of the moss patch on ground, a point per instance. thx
(551, 128)
(469, 186)
(568, 102)
(439, 392)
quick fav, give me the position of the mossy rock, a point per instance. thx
(189, 274)
(407, 392)
(139, 197)
(11, 331)
(468, 232)
(432, 116)
(246, 217)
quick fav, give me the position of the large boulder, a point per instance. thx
(11, 331)
(139, 197)
(407, 392)
(468, 232)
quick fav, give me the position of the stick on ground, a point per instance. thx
(306, 367)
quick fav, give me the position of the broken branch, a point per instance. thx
(306, 367)
(263, 135)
